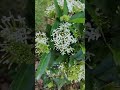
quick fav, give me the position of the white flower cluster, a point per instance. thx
(50, 9)
(89, 55)
(62, 38)
(73, 6)
(41, 38)
(81, 74)
(16, 29)
(41, 42)
(74, 72)
(92, 33)
(12, 29)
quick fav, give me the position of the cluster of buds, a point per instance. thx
(76, 72)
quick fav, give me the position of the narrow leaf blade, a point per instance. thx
(24, 79)
(58, 10)
(65, 10)
(43, 65)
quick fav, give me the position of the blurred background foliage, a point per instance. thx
(11, 71)
(40, 6)
(103, 71)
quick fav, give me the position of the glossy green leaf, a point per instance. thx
(55, 25)
(78, 18)
(116, 56)
(60, 59)
(104, 66)
(91, 11)
(65, 10)
(111, 86)
(44, 61)
(24, 79)
(60, 82)
(82, 85)
(58, 10)
(79, 55)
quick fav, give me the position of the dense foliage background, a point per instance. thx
(16, 50)
(103, 70)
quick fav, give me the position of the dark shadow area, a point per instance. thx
(17, 25)
(102, 45)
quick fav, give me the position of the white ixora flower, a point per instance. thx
(73, 6)
(50, 10)
(16, 29)
(41, 43)
(82, 72)
(63, 39)
(92, 33)
(41, 38)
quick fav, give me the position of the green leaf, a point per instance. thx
(44, 61)
(106, 64)
(50, 85)
(91, 11)
(78, 18)
(24, 79)
(65, 9)
(78, 15)
(111, 86)
(83, 1)
(58, 10)
(54, 26)
(116, 56)
(52, 59)
(82, 85)
(60, 59)
(79, 55)
(60, 82)
(90, 80)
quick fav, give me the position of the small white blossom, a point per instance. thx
(41, 43)
(48, 72)
(89, 55)
(92, 33)
(16, 29)
(61, 66)
(41, 38)
(50, 9)
(12, 29)
(73, 6)
(62, 39)
(82, 72)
